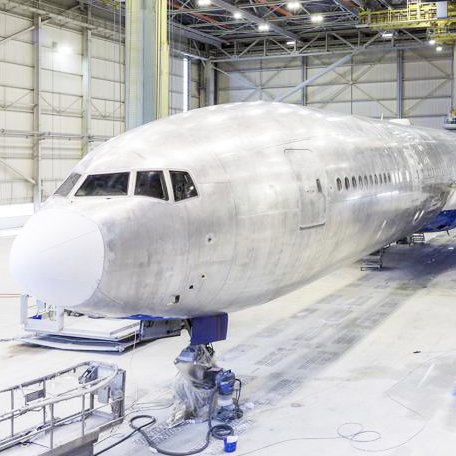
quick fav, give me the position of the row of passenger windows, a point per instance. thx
(148, 183)
(363, 181)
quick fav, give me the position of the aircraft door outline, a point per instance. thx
(311, 182)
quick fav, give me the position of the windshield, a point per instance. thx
(151, 183)
(68, 184)
(183, 186)
(113, 184)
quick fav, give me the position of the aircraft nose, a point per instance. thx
(58, 257)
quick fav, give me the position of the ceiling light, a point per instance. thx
(316, 18)
(293, 5)
(387, 35)
(237, 15)
(203, 2)
(291, 43)
(439, 48)
(263, 27)
(431, 41)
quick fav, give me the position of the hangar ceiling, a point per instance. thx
(232, 30)
(60, 103)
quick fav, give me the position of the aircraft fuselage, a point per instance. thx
(281, 196)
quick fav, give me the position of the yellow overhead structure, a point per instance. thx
(417, 14)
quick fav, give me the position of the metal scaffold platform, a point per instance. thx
(57, 328)
(373, 260)
(63, 413)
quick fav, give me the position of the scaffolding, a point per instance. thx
(440, 25)
(63, 411)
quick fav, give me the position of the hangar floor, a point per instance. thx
(355, 351)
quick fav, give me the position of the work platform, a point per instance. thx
(377, 349)
(46, 326)
(62, 413)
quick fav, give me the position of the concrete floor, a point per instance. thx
(354, 351)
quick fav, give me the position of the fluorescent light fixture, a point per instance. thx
(439, 48)
(431, 41)
(263, 27)
(293, 5)
(316, 18)
(291, 43)
(203, 2)
(237, 15)
(387, 35)
(64, 50)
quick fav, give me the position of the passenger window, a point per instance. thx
(347, 183)
(151, 183)
(371, 180)
(319, 189)
(366, 182)
(68, 185)
(183, 186)
(389, 178)
(354, 182)
(113, 184)
(384, 178)
(360, 181)
(380, 178)
(339, 184)
(376, 179)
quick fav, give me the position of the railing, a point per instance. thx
(40, 316)
(419, 14)
(97, 387)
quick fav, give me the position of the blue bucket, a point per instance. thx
(230, 443)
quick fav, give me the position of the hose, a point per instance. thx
(219, 431)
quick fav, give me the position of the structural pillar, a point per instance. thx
(209, 83)
(187, 63)
(400, 84)
(37, 189)
(147, 61)
(86, 89)
(453, 81)
(304, 77)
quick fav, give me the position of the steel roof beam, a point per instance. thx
(255, 19)
(346, 7)
(196, 35)
(326, 70)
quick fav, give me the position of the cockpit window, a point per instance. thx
(183, 186)
(67, 185)
(113, 184)
(151, 183)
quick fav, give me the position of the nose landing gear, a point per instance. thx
(203, 389)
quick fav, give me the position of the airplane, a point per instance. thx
(230, 206)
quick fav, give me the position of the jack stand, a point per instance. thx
(203, 389)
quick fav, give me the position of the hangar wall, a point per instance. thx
(62, 101)
(368, 86)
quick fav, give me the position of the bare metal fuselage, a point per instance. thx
(286, 194)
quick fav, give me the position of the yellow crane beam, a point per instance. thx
(415, 15)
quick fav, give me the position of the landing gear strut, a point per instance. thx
(203, 389)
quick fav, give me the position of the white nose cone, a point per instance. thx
(58, 257)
